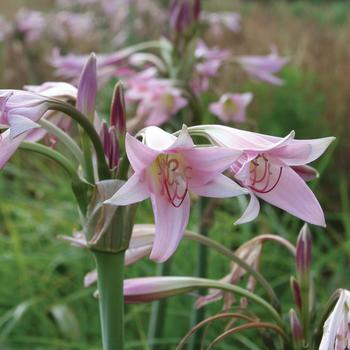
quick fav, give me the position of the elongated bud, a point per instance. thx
(196, 9)
(296, 292)
(303, 252)
(118, 114)
(87, 89)
(146, 289)
(297, 330)
(110, 144)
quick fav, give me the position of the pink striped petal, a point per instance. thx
(220, 187)
(139, 155)
(294, 196)
(251, 212)
(132, 191)
(170, 226)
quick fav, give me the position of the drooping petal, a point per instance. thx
(293, 195)
(87, 89)
(8, 146)
(20, 124)
(139, 155)
(170, 226)
(251, 212)
(132, 191)
(220, 187)
(146, 289)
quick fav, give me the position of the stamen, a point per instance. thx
(265, 179)
(174, 179)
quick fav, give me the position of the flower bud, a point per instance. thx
(296, 292)
(297, 331)
(303, 252)
(110, 144)
(87, 89)
(118, 115)
(146, 289)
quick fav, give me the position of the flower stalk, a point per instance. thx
(110, 268)
(102, 166)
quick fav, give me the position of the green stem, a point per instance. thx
(226, 252)
(64, 138)
(49, 152)
(80, 118)
(110, 269)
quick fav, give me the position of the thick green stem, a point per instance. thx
(110, 269)
(80, 118)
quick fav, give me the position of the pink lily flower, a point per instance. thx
(231, 107)
(210, 59)
(264, 67)
(269, 168)
(160, 105)
(70, 66)
(21, 110)
(166, 169)
(158, 99)
(209, 62)
(230, 20)
(30, 24)
(336, 334)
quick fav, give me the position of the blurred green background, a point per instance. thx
(43, 304)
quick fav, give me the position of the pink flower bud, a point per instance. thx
(303, 252)
(297, 331)
(296, 292)
(110, 144)
(118, 115)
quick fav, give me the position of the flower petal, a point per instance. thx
(220, 187)
(294, 196)
(251, 212)
(241, 139)
(300, 152)
(20, 124)
(9, 146)
(157, 139)
(132, 191)
(170, 226)
(183, 141)
(139, 155)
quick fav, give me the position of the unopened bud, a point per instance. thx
(110, 144)
(303, 252)
(196, 9)
(297, 330)
(118, 114)
(296, 292)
